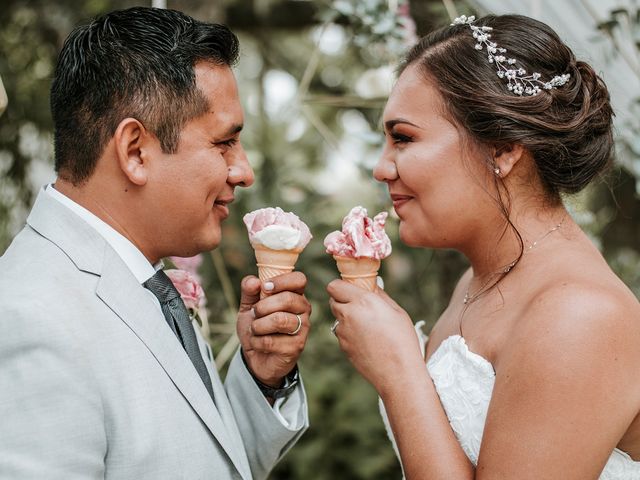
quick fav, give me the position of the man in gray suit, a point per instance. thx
(102, 373)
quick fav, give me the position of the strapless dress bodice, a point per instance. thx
(464, 381)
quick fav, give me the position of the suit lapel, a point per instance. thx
(128, 299)
(120, 291)
(81, 243)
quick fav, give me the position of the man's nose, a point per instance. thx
(240, 172)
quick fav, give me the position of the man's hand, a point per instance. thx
(265, 327)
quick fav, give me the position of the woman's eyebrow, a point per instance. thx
(389, 124)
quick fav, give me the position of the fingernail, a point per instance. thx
(268, 286)
(380, 282)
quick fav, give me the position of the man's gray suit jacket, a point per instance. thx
(93, 382)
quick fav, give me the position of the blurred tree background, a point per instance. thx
(313, 78)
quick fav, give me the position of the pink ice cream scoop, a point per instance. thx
(277, 238)
(276, 229)
(360, 236)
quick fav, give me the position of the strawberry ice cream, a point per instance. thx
(277, 238)
(359, 247)
(360, 236)
(276, 229)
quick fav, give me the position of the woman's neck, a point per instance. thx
(499, 247)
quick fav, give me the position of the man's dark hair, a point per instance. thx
(135, 63)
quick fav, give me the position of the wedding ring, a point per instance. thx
(334, 326)
(299, 325)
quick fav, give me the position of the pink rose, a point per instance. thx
(189, 288)
(190, 264)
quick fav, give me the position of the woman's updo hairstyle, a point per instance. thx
(567, 130)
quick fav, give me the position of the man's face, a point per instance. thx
(191, 189)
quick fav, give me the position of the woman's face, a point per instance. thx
(440, 189)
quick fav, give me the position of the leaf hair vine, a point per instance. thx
(519, 82)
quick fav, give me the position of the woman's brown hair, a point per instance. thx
(567, 130)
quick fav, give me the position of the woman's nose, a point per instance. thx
(385, 170)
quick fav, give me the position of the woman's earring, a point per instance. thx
(497, 171)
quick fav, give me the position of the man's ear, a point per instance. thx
(129, 139)
(506, 157)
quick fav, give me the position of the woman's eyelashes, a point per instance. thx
(399, 138)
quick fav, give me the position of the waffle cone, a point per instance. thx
(272, 263)
(362, 272)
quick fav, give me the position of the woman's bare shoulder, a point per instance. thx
(584, 297)
(583, 318)
(571, 360)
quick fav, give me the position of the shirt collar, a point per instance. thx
(127, 251)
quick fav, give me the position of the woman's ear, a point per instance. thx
(505, 158)
(129, 139)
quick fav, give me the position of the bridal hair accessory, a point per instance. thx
(519, 82)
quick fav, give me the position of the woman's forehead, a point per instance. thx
(413, 95)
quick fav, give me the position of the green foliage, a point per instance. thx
(312, 154)
(374, 24)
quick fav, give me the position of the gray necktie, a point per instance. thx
(177, 316)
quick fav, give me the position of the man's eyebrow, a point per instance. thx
(389, 124)
(234, 129)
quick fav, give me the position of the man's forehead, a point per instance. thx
(210, 75)
(218, 85)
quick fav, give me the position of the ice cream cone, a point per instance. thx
(362, 272)
(272, 263)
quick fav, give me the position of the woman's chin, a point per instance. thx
(412, 238)
(408, 236)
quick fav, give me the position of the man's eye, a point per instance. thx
(227, 143)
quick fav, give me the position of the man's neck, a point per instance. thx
(95, 199)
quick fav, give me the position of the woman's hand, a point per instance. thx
(375, 333)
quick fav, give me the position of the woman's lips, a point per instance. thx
(399, 200)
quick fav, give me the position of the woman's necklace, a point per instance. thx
(469, 298)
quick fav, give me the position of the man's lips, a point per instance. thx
(222, 204)
(399, 200)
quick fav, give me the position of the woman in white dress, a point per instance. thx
(533, 370)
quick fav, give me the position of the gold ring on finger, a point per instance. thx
(298, 327)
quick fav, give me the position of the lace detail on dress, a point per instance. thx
(464, 381)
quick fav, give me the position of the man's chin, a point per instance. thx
(212, 241)
(200, 246)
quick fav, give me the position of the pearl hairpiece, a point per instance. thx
(519, 82)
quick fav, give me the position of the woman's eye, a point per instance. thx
(399, 138)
